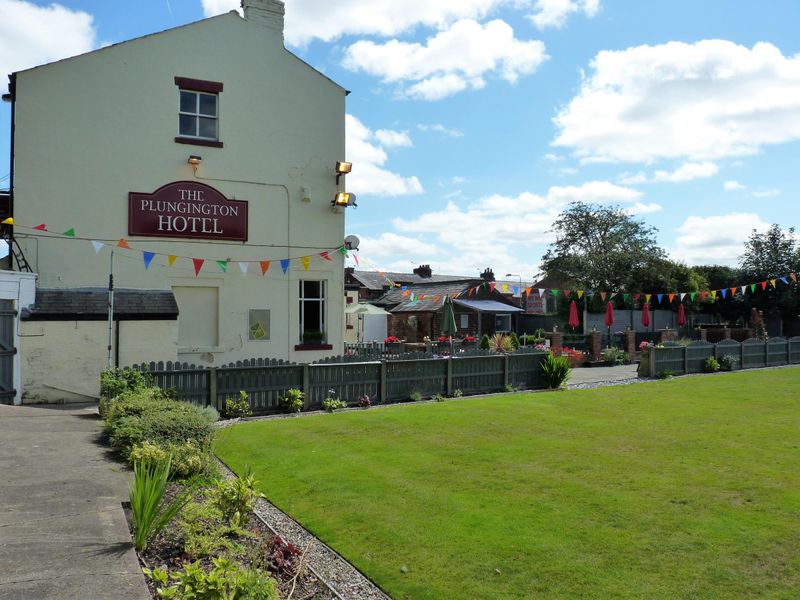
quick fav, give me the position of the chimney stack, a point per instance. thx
(488, 274)
(268, 13)
(424, 271)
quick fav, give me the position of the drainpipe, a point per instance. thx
(11, 97)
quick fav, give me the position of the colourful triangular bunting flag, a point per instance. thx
(659, 296)
(198, 264)
(8, 221)
(326, 256)
(171, 259)
(97, 246)
(243, 266)
(671, 298)
(223, 265)
(580, 294)
(41, 227)
(69, 232)
(304, 260)
(148, 258)
(285, 263)
(123, 244)
(264, 264)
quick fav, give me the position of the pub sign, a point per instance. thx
(187, 209)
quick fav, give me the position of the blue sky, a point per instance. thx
(472, 123)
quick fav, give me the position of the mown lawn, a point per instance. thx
(688, 488)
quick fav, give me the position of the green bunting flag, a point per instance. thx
(69, 232)
(692, 295)
(752, 288)
(223, 265)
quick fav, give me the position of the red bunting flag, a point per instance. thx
(41, 227)
(566, 293)
(325, 256)
(636, 297)
(123, 244)
(492, 285)
(703, 295)
(603, 296)
(355, 258)
(763, 285)
(198, 264)
(264, 266)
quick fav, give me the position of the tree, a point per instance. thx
(600, 247)
(772, 255)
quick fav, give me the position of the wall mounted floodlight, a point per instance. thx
(195, 160)
(344, 199)
(342, 168)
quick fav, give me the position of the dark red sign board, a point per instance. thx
(187, 209)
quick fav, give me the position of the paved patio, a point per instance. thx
(63, 533)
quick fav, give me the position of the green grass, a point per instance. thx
(688, 488)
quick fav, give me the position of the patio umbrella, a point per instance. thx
(681, 315)
(609, 320)
(573, 315)
(364, 309)
(449, 320)
(646, 315)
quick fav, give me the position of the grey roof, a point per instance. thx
(91, 304)
(492, 306)
(376, 281)
(403, 303)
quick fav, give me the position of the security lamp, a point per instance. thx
(342, 168)
(195, 160)
(344, 199)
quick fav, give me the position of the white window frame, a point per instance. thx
(321, 300)
(197, 115)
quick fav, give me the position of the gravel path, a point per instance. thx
(342, 579)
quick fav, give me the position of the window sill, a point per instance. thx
(304, 347)
(198, 142)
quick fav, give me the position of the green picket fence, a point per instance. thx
(751, 354)
(266, 381)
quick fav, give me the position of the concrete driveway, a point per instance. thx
(62, 528)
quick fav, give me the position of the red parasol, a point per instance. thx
(646, 315)
(681, 315)
(609, 315)
(573, 315)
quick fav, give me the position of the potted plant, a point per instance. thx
(312, 337)
(469, 341)
(393, 344)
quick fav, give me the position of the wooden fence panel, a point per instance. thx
(264, 384)
(479, 374)
(404, 377)
(696, 355)
(348, 381)
(777, 352)
(753, 354)
(670, 358)
(189, 382)
(794, 350)
(524, 370)
(731, 347)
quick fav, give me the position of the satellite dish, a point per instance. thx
(351, 242)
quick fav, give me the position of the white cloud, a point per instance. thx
(393, 139)
(324, 20)
(31, 35)
(767, 193)
(701, 101)
(733, 186)
(458, 180)
(718, 239)
(439, 128)
(369, 176)
(593, 191)
(688, 171)
(554, 13)
(392, 244)
(552, 157)
(453, 60)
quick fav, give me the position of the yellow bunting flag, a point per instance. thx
(8, 221)
(647, 297)
(171, 259)
(580, 294)
(305, 262)
(773, 282)
(123, 244)
(504, 287)
(714, 294)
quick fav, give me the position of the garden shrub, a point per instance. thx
(616, 356)
(711, 365)
(439, 397)
(514, 341)
(555, 370)
(501, 344)
(457, 393)
(292, 401)
(415, 396)
(729, 362)
(236, 497)
(484, 343)
(206, 533)
(210, 413)
(226, 579)
(332, 404)
(114, 382)
(238, 408)
(175, 425)
(187, 459)
(364, 401)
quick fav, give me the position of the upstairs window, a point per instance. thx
(312, 312)
(198, 112)
(198, 116)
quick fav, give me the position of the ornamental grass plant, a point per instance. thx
(151, 512)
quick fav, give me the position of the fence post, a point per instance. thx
(384, 384)
(212, 388)
(505, 370)
(652, 364)
(306, 386)
(741, 355)
(449, 376)
(685, 360)
(766, 352)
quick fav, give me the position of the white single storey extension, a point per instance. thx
(204, 157)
